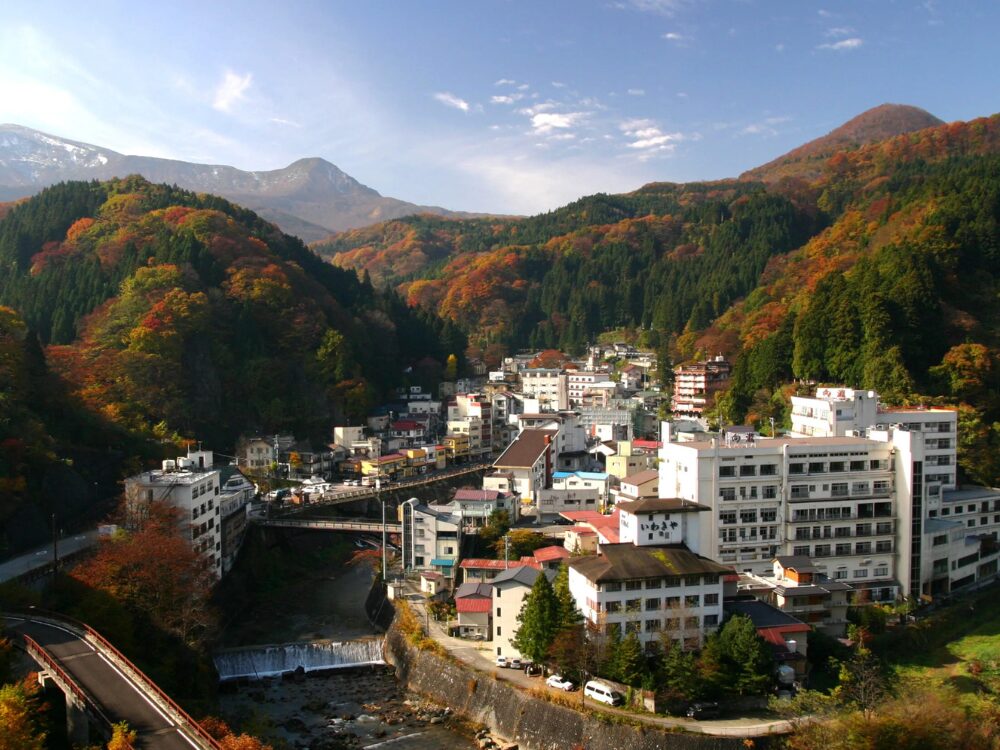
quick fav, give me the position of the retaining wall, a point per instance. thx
(534, 723)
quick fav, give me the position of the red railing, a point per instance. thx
(102, 643)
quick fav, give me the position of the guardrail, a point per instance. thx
(332, 524)
(136, 675)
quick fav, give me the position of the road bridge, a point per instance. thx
(102, 686)
(330, 524)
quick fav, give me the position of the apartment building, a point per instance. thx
(695, 385)
(191, 485)
(547, 384)
(431, 539)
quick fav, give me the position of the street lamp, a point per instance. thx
(402, 541)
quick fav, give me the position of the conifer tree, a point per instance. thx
(539, 618)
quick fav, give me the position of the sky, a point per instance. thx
(501, 106)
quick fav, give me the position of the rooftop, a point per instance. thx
(661, 504)
(548, 554)
(618, 562)
(642, 477)
(526, 449)
(763, 615)
(523, 574)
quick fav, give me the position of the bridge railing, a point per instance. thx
(136, 675)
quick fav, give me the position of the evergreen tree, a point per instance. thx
(745, 655)
(539, 619)
(630, 664)
(569, 614)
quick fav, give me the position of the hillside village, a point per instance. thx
(853, 504)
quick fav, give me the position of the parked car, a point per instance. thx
(602, 693)
(559, 683)
(531, 669)
(515, 663)
(501, 661)
(703, 710)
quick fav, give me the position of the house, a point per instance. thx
(528, 460)
(410, 432)
(786, 635)
(629, 460)
(637, 486)
(580, 539)
(509, 591)
(476, 506)
(550, 558)
(598, 481)
(431, 540)
(800, 589)
(483, 570)
(474, 604)
(553, 503)
(431, 583)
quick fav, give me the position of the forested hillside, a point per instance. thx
(169, 315)
(873, 265)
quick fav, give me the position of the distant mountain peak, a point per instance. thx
(875, 124)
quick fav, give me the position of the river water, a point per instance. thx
(330, 710)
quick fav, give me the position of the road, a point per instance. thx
(479, 655)
(118, 696)
(42, 557)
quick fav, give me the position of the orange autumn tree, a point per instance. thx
(153, 571)
(229, 740)
(19, 729)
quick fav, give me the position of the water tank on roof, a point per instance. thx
(184, 463)
(169, 464)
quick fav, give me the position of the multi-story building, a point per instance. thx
(235, 494)
(528, 462)
(695, 385)
(578, 382)
(547, 384)
(191, 485)
(431, 539)
(865, 506)
(510, 588)
(651, 583)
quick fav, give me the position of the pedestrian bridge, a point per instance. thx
(102, 687)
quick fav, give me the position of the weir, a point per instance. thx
(257, 662)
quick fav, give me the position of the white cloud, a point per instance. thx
(505, 82)
(673, 36)
(523, 87)
(648, 138)
(558, 84)
(637, 92)
(546, 122)
(825, 13)
(662, 7)
(450, 100)
(535, 109)
(765, 126)
(283, 121)
(231, 90)
(838, 31)
(844, 44)
(506, 99)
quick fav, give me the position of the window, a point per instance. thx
(727, 493)
(837, 466)
(633, 585)
(692, 623)
(613, 586)
(796, 468)
(632, 627)
(863, 548)
(672, 623)
(861, 573)
(843, 549)
(692, 601)
(727, 471)
(822, 550)
(672, 581)
(748, 470)
(711, 600)
(653, 604)
(801, 550)
(816, 467)
(653, 583)
(613, 607)
(711, 620)
(498, 611)
(769, 492)
(768, 470)
(673, 602)
(652, 626)
(748, 515)
(768, 515)
(838, 489)
(881, 571)
(727, 516)
(633, 605)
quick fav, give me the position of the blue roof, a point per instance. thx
(598, 475)
(443, 562)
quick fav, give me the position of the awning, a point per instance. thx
(442, 562)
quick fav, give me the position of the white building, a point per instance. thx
(432, 539)
(191, 485)
(547, 384)
(651, 582)
(509, 591)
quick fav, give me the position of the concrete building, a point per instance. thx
(235, 494)
(191, 485)
(509, 591)
(695, 385)
(474, 603)
(528, 461)
(548, 385)
(432, 540)
(798, 588)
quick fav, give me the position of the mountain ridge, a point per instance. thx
(311, 197)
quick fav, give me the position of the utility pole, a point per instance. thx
(506, 551)
(378, 499)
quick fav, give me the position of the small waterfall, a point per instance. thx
(268, 661)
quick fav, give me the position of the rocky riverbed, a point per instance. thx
(342, 710)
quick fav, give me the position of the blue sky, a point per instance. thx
(483, 105)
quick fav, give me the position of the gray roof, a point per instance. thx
(619, 562)
(474, 589)
(762, 614)
(523, 574)
(660, 504)
(800, 563)
(970, 492)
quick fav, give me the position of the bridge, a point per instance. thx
(102, 686)
(341, 496)
(330, 524)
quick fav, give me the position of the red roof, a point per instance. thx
(548, 554)
(407, 424)
(529, 562)
(583, 530)
(477, 563)
(648, 444)
(775, 635)
(470, 604)
(606, 526)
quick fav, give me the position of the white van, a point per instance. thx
(602, 693)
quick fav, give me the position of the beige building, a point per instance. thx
(509, 591)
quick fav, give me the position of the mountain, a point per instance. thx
(876, 124)
(309, 198)
(868, 257)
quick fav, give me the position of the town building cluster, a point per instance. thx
(855, 504)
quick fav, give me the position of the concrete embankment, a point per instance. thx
(533, 722)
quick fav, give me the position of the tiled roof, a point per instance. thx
(548, 554)
(471, 588)
(476, 563)
(618, 562)
(468, 494)
(469, 606)
(526, 449)
(642, 477)
(763, 615)
(660, 504)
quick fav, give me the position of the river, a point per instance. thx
(351, 708)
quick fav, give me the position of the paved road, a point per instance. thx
(42, 557)
(118, 696)
(479, 654)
